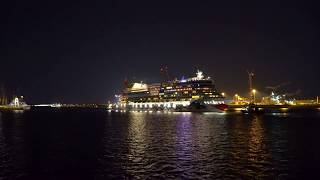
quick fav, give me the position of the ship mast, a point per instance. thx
(165, 73)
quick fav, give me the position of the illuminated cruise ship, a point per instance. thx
(192, 94)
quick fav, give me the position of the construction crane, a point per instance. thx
(250, 78)
(293, 93)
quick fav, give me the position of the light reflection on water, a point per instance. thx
(186, 144)
(12, 141)
(136, 142)
(156, 145)
(209, 145)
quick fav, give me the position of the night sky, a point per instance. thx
(81, 51)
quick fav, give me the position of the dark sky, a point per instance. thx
(81, 51)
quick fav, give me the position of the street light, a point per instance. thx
(254, 95)
(223, 94)
(236, 97)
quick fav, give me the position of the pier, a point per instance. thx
(279, 108)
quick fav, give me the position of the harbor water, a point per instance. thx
(97, 144)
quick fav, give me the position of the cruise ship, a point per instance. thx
(188, 94)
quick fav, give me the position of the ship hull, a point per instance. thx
(207, 108)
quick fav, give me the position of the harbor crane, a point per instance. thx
(274, 88)
(293, 93)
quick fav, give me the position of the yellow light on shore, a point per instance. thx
(236, 98)
(223, 94)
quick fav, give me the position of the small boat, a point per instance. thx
(252, 109)
(18, 104)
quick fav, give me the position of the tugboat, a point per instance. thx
(252, 109)
(199, 106)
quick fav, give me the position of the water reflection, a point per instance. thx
(280, 114)
(135, 157)
(184, 138)
(136, 135)
(175, 145)
(185, 143)
(256, 136)
(258, 155)
(11, 145)
(154, 145)
(3, 149)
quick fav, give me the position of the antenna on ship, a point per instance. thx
(126, 82)
(165, 73)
